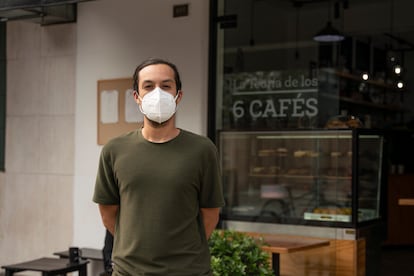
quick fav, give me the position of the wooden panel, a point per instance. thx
(406, 201)
(361, 257)
(340, 258)
(400, 223)
(318, 261)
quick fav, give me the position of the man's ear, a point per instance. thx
(136, 97)
(180, 95)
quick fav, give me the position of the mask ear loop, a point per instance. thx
(175, 100)
(176, 96)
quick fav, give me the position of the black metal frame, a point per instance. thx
(212, 53)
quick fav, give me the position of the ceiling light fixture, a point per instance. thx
(329, 34)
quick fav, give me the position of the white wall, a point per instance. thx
(113, 37)
(36, 189)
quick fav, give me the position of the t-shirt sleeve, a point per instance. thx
(211, 193)
(106, 188)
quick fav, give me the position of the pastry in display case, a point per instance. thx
(330, 177)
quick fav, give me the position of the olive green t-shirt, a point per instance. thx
(160, 188)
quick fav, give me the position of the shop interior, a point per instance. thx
(314, 119)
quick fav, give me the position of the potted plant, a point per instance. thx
(236, 253)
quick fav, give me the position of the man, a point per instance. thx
(158, 188)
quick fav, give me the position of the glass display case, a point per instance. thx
(330, 177)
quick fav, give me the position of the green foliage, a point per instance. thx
(235, 253)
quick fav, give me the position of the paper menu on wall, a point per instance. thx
(109, 107)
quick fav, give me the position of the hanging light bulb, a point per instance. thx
(365, 76)
(400, 84)
(397, 69)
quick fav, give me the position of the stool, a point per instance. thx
(48, 267)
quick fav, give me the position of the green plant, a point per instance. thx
(236, 253)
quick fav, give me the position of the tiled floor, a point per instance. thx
(397, 261)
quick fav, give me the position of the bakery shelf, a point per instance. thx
(327, 217)
(323, 167)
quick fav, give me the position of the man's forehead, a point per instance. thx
(157, 68)
(157, 72)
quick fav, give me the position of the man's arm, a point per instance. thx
(210, 219)
(109, 214)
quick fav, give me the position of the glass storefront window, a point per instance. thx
(273, 79)
(270, 72)
(266, 77)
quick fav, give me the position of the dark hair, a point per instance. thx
(154, 61)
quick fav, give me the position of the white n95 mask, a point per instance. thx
(158, 105)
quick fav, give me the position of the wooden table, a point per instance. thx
(280, 244)
(48, 267)
(84, 253)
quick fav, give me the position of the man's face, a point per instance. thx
(158, 75)
(153, 76)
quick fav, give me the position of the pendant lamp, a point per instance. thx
(328, 34)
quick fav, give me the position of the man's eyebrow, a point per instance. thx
(168, 80)
(164, 81)
(147, 81)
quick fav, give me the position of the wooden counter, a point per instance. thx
(289, 244)
(297, 255)
(277, 244)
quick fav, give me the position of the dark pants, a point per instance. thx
(107, 252)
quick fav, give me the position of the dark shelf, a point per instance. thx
(388, 107)
(377, 83)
